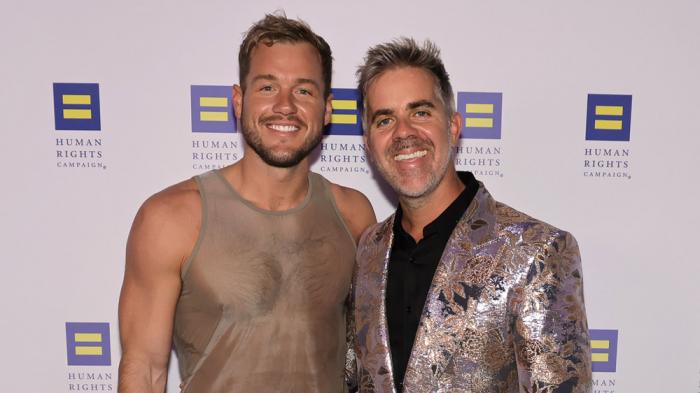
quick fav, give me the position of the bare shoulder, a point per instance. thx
(355, 208)
(178, 203)
(167, 224)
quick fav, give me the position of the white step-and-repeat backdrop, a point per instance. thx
(581, 113)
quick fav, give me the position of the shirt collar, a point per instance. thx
(447, 220)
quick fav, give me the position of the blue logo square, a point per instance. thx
(212, 109)
(608, 117)
(603, 350)
(345, 117)
(88, 344)
(76, 106)
(481, 114)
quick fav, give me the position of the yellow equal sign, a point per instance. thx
(479, 122)
(344, 118)
(479, 108)
(83, 350)
(88, 349)
(599, 357)
(344, 105)
(81, 114)
(600, 344)
(217, 102)
(609, 110)
(608, 124)
(340, 118)
(76, 99)
(213, 116)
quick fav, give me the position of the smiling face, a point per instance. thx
(409, 134)
(282, 109)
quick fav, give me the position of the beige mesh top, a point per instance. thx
(262, 307)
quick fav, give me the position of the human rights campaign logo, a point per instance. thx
(345, 117)
(608, 117)
(212, 110)
(88, 344)
(603, 350)
(481, 114)
(76, 106)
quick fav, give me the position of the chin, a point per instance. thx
(411, 190)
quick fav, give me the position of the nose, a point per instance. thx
(284, 103)
(404, 129)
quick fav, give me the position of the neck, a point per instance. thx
(268, 187)
(419, 212)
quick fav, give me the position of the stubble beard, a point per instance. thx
(433, 179)
(285, 159)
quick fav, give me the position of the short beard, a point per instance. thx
(434, 178)
(282, 160)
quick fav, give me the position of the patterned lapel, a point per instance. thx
(452, 300)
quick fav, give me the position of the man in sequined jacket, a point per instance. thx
(455, 292)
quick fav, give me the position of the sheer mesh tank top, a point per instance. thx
(262, 305)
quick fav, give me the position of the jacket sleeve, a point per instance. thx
(550, 327)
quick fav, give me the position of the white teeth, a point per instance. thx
(283, 128)
(415, 154)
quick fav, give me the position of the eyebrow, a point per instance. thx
(420, 103)
(302, 81)
(267, 77)
(409, 106)
(381, 112)
(298, 81)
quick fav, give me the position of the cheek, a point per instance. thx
(318, 110)
(250, 106)
(379, 145)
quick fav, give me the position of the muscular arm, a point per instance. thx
(551, 340)
(161, 238)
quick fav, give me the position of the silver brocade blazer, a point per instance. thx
(504, 313)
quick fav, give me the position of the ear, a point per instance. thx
(237, 101)
(455, 127)
(329, 110)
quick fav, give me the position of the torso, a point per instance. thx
(262, 306)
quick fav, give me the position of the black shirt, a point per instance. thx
(411, 270)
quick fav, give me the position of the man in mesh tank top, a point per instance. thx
(247, 269)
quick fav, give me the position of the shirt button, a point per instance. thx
(412, 259)
(408, 309)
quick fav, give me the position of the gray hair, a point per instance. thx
(405, 52)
